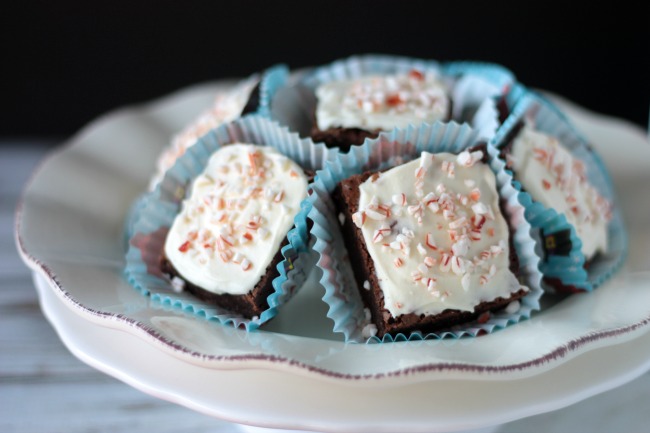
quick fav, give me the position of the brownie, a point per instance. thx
(506, 146)
(346, 196)
(346, 137)
(503, 108)
(343, 138)
(248, 305)
(561, 241)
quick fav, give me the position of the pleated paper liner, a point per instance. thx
(157, 210)
(474, 89)
(564, 266)
(346, 308)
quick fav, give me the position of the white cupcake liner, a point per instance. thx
(156, 211)
(569, 265)
(346, 308)
(474, 89)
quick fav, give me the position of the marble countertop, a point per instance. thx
(44, 388)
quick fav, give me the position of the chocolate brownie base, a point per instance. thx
(346, 197)
(248, 305)
(255, 301)
(343, 138)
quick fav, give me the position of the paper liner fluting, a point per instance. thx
(478, 87)
(474, 89)
(564, 266)
(156, 211)
(257, 91)
(272, 80)
(346, 308)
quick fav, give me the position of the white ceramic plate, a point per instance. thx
(280, 399)
(69, 230)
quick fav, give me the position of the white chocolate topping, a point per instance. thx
(552, 176)
(227, 106)
(382, 102)
(240, 210)
(435, 232)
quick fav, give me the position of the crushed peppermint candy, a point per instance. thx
(178, 284)
(558, 179)
(468, 159)
(450, 244)
(245, 193)
(409, 97)
(369, 330)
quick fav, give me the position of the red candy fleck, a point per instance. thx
(478, 221)
(253, 161)
(546, 184)
(540, 154)
(183, 248)
(429, 242)
(278, 198)
(384, 209)
(227, 240)
(414, 73)
(393, 100)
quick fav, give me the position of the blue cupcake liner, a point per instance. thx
(474, 88)
(346, 308)
(155, 212)
(515, 92)
(569, 267)
(272, 80)
(492, 72)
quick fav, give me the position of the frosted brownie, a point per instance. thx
(428, 243)
(225, 243)
(349, 111)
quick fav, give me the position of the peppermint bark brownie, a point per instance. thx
(349, 111)
(428, 243)
(228, 105)
(554, 177)
(224, 245)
